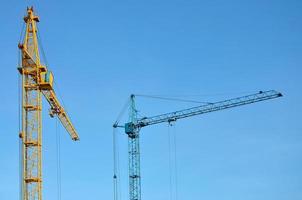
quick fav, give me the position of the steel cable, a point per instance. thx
(20, 117)
(116, 167)
(175, 162)
(172, 99)
(58, 157)
(173, 168)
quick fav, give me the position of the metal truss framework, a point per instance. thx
(133, 127)
(36, 80)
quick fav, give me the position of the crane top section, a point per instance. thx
(31, 15)
(131, 127)
(42, 78)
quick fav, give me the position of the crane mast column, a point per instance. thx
(134, 156)
(132, 128)
(37, 80)
(31, 133)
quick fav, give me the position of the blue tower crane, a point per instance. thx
(132, 128)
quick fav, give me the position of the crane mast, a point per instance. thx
(132, 128)
(134, 155)
(36, 81)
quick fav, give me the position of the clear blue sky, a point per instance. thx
(102, 51)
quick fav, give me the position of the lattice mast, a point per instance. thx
(36, 80)
(134, 156)
(132, 128)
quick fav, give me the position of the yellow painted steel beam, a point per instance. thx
(57, 109)
(36, 80)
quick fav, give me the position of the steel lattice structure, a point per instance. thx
(132, 128)
(134, 156)
(36, 80)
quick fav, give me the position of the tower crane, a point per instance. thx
(132, 128)
(37, 80)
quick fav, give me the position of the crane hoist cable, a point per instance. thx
(166, 98)
(170, 164)
(121, 113)
(58, 158)
(20, 39)
(42, 49)
(47, 64)
(175, 160)
(19, 114)
(115, 144)
(133, 127)
(20, 141)
(199, 95)
(171, 99)
(115, 181)
(37, 81)
(22, 32)
(173, 168)
(116, 166)
(58, 137)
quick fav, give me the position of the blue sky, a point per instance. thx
(102, 51)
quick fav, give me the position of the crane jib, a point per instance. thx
(173, 116)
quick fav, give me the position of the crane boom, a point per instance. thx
(211, 107)
(57, 109)
(36, 80)
(49, 93)
(132, 129)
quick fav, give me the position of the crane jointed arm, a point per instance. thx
(198, 110)
(57, 109)
(45, 82)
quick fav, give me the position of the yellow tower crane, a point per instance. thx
(36, 80)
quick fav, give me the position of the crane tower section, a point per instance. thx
(36, 81)
(133, 127)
